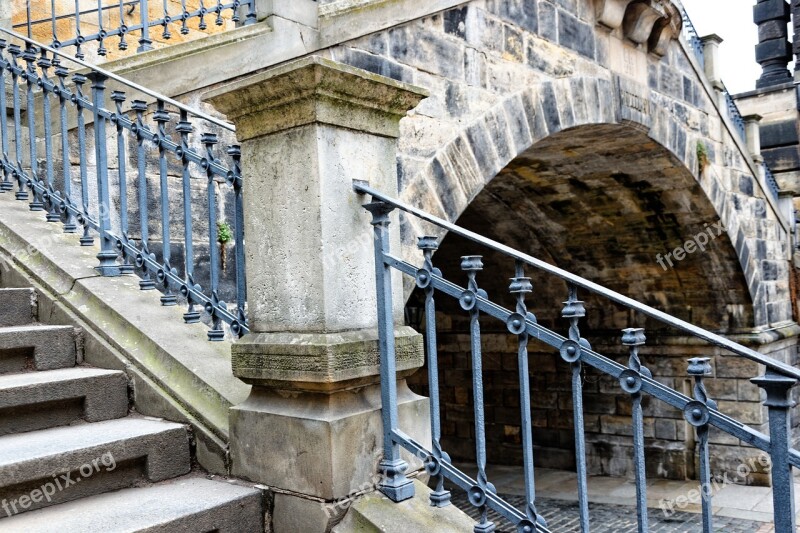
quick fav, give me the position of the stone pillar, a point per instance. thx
(312, 424)
(773, 51)
(711, 59)
(752, 132)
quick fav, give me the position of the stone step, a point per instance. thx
(38, 400)
(17, 307)
(185, 505)
(36, 347)
(52, 466)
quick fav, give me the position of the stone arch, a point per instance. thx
(520, 123)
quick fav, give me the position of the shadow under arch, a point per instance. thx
(602, 201)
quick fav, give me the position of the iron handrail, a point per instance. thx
(119, 79)
(578, 281)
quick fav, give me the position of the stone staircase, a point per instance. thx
(72, 457)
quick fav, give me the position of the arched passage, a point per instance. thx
(603, 201)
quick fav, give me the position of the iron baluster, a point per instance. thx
(251, 13)
(79, 40)
(16, 71)
(202, 25)
(517, 324)
(218, 21)
(5, 185)
(472, 264)
(570, 352)
(631, 382)
(145, 43)
(122, 167)
(146, 283)
(101, 34)
(394, 484)
(78, 99)
(184, 18)
(779, 403)
(697, 414)
(216, 333)
(161, 117)
(235, 180)
(52, 208)
(428, 244)
(63, 98)
(30, 58)
(123, 28)
(166, 34)
(184, 128)
(108, 253)
(53, 23)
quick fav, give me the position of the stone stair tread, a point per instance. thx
(32, 455)
(13, 381)
(183, 505)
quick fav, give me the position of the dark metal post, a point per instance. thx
(122, 167)
(162, 117)
(395, 485)
(780, 403)
(696, 413)
(5, 185)
(29, 56)
(52, 208)
(631, 382)
(570, 351)
(145, 43)
(428, 244)
(235, 180)
(66, 168)
(108, 253)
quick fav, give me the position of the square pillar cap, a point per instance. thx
(711, 38)
(315, 90)
(755, 117)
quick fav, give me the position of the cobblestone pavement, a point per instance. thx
(562, 517)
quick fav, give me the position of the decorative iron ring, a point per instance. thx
(423, 278)
(123, 29)
(139, 260)
(630, 381)
(209, 307)
(236, 328)
(516, 324)
(526, 526)
(161, 275)
(570, 351)
(80, 39)
(477, 496)
(432, 465)
(204, 164)
(102, 35)
(468, 299)
(55, 44)
(696, 413)
(230, 178)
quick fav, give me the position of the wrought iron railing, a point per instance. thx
(635, 379)
(692, 37)
(113, 20)
(696, 44)
(139, 138)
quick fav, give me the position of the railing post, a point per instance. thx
(145, 42)
(311, 299)
(780, 404)
(394, 485)
(108, 251)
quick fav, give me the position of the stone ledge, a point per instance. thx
(321, 361)
(376, 513)
(312, 90)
